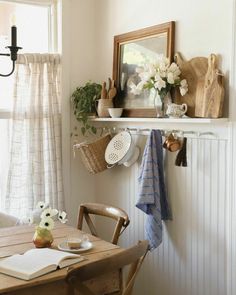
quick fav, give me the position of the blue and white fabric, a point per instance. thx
(152, 192)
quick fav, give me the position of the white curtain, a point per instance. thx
(35, 169)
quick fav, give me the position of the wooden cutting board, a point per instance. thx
(210, 94)
(194, 72)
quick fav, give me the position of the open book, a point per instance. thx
(37, 262)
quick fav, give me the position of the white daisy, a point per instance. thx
(41, 205)
(62, 216)
(49, 213)
(27, 220)
(47, 223)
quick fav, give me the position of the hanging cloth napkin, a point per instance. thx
(152, 191)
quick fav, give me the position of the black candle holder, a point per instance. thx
(13, 55)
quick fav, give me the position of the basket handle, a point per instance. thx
(109, 166)
(79, 145)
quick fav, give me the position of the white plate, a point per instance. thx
(85, 246)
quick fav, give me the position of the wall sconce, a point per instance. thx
(13, 49)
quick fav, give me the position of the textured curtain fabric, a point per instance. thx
(35, 169)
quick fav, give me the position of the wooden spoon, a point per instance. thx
(104, 91)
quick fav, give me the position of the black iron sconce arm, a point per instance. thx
(13, 55)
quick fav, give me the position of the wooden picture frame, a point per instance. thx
(138, 46)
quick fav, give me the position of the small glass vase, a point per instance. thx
(42, 238)
(161, 104)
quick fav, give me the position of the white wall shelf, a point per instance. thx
(218, 127)
(163, 120)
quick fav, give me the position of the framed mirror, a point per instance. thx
(135, 49)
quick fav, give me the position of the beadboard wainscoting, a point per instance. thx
(192, 259)
(231, 226)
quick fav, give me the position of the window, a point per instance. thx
(32, 24)
(36, 25)
(36, 32)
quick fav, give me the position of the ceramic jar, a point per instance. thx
(103, 104)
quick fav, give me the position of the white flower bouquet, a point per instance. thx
(48, 215)
(44, 218)
(161, 76)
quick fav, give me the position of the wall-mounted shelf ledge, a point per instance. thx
(164, 120)
(217, 127)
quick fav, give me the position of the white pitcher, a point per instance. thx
(176, 110)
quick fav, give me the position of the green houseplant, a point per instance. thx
(84, 104)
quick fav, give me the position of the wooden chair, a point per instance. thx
(103, 210)
(134, 256)
(7, 220)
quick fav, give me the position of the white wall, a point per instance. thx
(192, 259)
(78, 43)
(202, 27)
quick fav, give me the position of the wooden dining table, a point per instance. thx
(18, 239)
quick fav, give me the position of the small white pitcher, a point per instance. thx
(176, 110)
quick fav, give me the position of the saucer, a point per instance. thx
(85, 246)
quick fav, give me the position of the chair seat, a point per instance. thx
(134, 256)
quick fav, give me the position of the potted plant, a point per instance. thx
(84, 104)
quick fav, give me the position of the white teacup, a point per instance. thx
(115, 112)
(74, 242)
(176, 110)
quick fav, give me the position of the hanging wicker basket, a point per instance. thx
(93, 154)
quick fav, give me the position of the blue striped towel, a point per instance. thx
(152, 191)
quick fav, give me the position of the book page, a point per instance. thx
(25, 268)
(50, 256)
